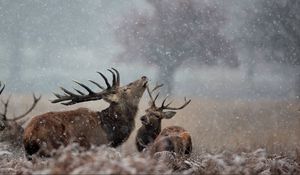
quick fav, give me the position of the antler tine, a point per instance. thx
(5, 108)
(118, 76)
(150, 95)
(152, 101)
(169, 103)
(85, 87)
(97, 84)
(156, 97)
(79, 92)
(1, 90)
(163, 103)
(174, 108)
(156, 87)
(67, 92)
(114, 81)
(35, 101)
(105, 79)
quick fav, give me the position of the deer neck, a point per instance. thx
(147, 135)
(151, 131)
(154, 130)
(118, 122)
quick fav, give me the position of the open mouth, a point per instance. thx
(145, 84)
(144, 120)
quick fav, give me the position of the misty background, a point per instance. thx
(245, 49)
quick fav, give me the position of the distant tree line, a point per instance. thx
(274, 31)
(176, 32)
(179, 31)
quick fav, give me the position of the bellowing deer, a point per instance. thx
(173, 138)
(111, 126)
(11, 129)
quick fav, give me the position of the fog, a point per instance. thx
(46, 44)
(236, 60)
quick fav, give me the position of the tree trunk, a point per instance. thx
(166, 75)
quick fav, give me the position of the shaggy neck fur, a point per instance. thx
(118, 122)
(146, 135)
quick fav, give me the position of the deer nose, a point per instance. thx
(143, 118)
(144, 78)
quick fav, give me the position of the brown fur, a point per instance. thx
(111, 126)
(54, 129)
(173, 138)
(149, 135)
(11, 132)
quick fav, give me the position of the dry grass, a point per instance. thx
(239, 127)
(214, 125)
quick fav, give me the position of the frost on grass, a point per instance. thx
(100, 160)
(105, 160)
(257, 162)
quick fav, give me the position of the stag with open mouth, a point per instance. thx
(111, 126)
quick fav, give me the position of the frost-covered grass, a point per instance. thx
(104, 160)
(229, 137)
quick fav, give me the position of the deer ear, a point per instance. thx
(169, 114)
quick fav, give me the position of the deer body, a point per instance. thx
(53, 129)
(111, 126)
(174, 139)
(150, 137)
(11, 130)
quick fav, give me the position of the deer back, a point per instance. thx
(51, 130)
(174, 139)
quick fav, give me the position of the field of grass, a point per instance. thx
(221, 130)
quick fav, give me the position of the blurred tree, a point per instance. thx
(274, 30)
(177, 31)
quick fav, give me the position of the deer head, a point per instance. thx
(154, 114)
(151, 121)
(129, 94)
(11, 129)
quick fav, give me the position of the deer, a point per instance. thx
(111, 126)
(11, 130)
(172, 139)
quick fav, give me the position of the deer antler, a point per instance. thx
(73, 98)
(152, 101)
(1, 89)
(5, 103)
(35, 101)
(163, 106)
